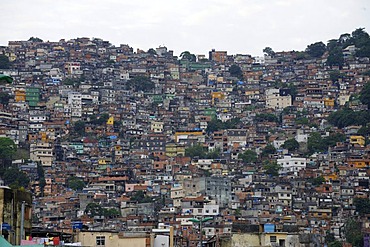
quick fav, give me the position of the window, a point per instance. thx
(100, 240)
(273, 239)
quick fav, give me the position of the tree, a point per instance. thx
(335, 243)
(214, 125)
(335, 57)
(291, 145)
(15, 178)
(362, 205)
(236, 71)
(195, 151)
(76, 183)
(315, 143)
(317, 181)
(269, 51)
(266, 117)
(271, 168)
(152, 51)
(93, 209)
(269, 149)
(186, 55)
(346, 117)
(79, 127)
(141, 197)
(335, 75)
(344, 39)
(316, 50)
(35, 39)
(352, 232)
(214, 154)
(140, 83)
(4, 98)
(249, 156)
(41, 177)
(365, 95)
(360, 38)
(7, 149)
(4, 62)
(111, 212)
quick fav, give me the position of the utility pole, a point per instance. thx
(22, 220)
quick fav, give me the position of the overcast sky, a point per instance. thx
(237, 26)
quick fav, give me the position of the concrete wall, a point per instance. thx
(113, 239)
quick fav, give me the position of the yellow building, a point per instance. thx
(358, 163)
(113, 239)
(20, 95)
(110, 121)
(357, 140)
(173, 150)
(328, 102)
(331, 177)
(217, 95)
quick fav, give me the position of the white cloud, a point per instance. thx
(238, 26)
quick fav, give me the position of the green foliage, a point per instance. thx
(76, 183)
(335, 75)
(335, 57)
(152, 51)
(269, 149)
(316, 50)
(216, 124)
(140, 83)
(302, 121)
(335, 243)
(15, 178)
(72, 82)
(102, 119)
(141, 197)
(300, 55)
(195, 151)
(362, 205)
(364, 130)
(249, 156)
(7, 148)
(316, 143)
(353, 233)
(111, 212)
(269, 51)
(93, 209)
(214, 154)
(271, 168)
(365, 95)
(266, 117)
(41, 177)
(4, 62)
(79, 127)
(329, 237)
(4, 98)
(236, 71)
(366, 73)
(291, 145)
(35, 39)
(317, 181)
(199, 151)
(186, 55)
(346, 117)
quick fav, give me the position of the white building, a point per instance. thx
(291, 164)
(75, 104)
(277, 98)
